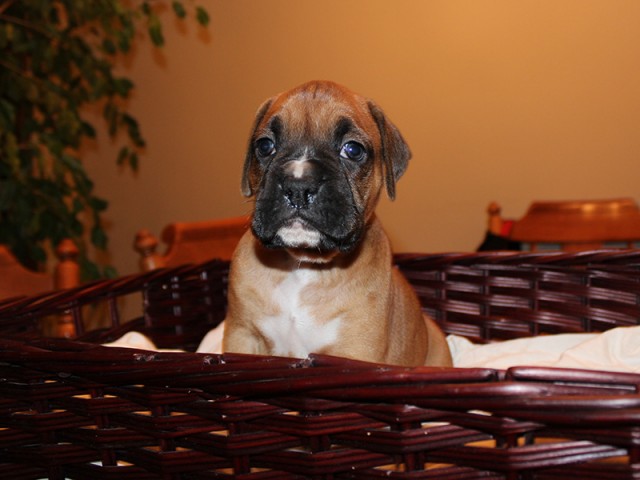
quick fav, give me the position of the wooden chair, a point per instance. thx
(571, 225)
(18, 281)
(191, 242)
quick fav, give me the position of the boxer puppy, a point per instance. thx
(315, 274)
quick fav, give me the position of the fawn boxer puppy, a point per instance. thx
(315, 274)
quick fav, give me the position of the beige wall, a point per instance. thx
(499, 100)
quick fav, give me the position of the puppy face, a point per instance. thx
(318, 157)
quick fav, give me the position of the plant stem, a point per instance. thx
(22, 23)
(6, 5)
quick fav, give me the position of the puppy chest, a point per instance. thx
(297, 328)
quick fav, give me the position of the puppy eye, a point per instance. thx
(265, 147)
(353, 151)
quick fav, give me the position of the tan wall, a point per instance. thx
(499, 100)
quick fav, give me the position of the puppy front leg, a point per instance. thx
(240, 339)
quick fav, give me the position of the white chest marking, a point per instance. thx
(294, 332)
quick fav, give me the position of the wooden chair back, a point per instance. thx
(17, 281)
(191, 242)
(572, 225)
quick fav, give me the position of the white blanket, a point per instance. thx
(615, 350)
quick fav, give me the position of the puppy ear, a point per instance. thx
(248, 173)
(395, 151)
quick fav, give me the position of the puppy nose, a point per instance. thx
(299, 192)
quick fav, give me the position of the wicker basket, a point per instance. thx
(75, 409)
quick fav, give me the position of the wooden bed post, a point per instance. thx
(146, 244)
(66, 275)
(494, 224)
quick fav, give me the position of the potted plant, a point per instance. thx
(56, 59)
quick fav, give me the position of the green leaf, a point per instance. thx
(11, 151)
(98, 237)
(78, 206)
(109, 272)
(155, 30)
(179, 9)
(124, 41)
(7, 112)
(123, 155)
(88, 130)
(88, 269)
(123, 86)
(39, 255)
(7, 191)
(133, 161)
(133, 130)
(72, 163)
(202, 16)
(109, 46)
(98, 204)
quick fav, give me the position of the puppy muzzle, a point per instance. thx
(306, 208)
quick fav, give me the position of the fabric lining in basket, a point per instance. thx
(76, 409)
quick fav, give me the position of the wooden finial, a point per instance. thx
(65, 275)
(67, 270)
(146, 244)
(495, 221)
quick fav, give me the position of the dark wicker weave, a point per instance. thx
(74, 409)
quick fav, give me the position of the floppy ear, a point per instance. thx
(248, 173)
(395, 151)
